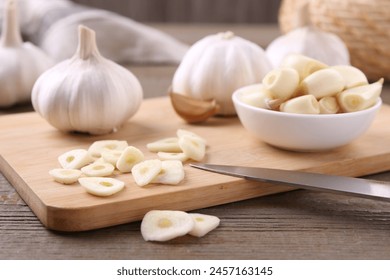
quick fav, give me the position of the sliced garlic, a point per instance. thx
(172, 156)
(100, 146)
(129, 157)
(164, 225)
(352, 76)
(65, 176)
(302, 64)
(203, 224)
(101, 186)
(328, 105)
(169, 145)
(145, 171)
(192, 147)
(98, 169)
(325, 82)
(111, 156)
(172, 173)
(361, 97)
(281, 83)
(75, 159)
(181, 132)
(306, 104)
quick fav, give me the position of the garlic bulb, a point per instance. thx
(310, 41)
(217, 65)
(87, 93)
(21, 63)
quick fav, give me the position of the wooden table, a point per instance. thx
(294, 225)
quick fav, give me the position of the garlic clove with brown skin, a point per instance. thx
(193, 110)
(21, 62)
(87, 93)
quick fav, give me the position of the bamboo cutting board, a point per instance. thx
(29, 148)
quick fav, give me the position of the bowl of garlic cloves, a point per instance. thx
(306, 105)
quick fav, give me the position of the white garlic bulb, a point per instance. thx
(217, 65)
(21, 62)
(87, 93)
(310, 41)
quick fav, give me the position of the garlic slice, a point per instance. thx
(306, 104)
(65, 176)
(129, 157)
(100, 146)
(361, 97)
(164, 225)
(172, 156)
(145, 171)
(98, 169)
(302, 64)
(101, 186)
(329, 105)
(192, 147)
(325, 82)
(281, 83)
(352, 76)
(111, 156)
(75, 159)
(172, 173)
(181, 132)
(203, 224)
(169, 145)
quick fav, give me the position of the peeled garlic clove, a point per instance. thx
(306, 104)
(325, 82)
(302, 64)
(193, 110)
(361, 97)
(255, 95)
(172, 156)
(328, 105)
(87, 93)
(164, 225)
(181, 132)
(101, 186)
(281, 83)
(98, 169)
(352, 76)
(65, 176)
(145, 171)
(75, 159)
(100, 146)
(129, 157)
(192, 147)
(169, 145)
(172, 173)
(21, 62)
(203, 224)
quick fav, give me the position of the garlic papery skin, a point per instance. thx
(310, 41)
(21, 62)
(216, 66)
(87, 93)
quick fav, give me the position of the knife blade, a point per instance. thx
(306, 180)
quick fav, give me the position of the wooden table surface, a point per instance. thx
(294, 225)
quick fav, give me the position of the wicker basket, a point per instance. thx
(364, 26)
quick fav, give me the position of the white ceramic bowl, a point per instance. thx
(302, 132)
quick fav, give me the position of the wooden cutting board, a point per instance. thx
(29, 148)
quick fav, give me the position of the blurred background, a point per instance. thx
(196, 11)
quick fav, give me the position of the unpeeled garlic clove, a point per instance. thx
(193, 110)
(361, 97)
(306, 104)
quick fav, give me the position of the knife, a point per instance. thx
(312, 181)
